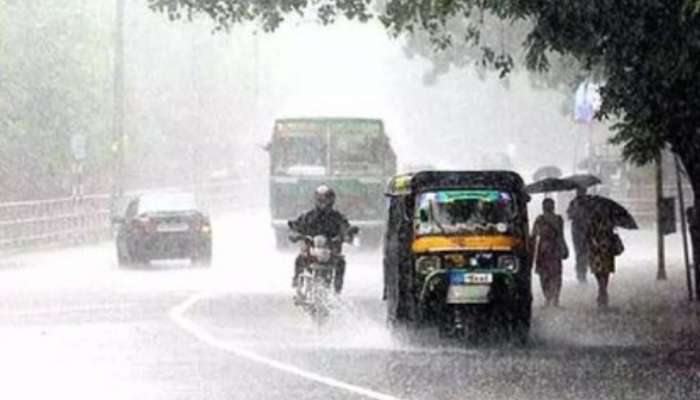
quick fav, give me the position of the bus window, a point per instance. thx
(299, 151)
(357, 148)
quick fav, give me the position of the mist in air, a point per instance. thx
(217, 95)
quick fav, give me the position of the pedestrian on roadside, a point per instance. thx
(579, 218)
(603, 246)
(549, 251)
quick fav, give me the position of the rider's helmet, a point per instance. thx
(324, 197)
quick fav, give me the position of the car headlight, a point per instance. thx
(509, 262)
(427, 264)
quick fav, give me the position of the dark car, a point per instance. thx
(163, 226)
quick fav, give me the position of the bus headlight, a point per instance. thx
(509, 262)
(427, 264)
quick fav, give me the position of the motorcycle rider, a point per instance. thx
(324, 220)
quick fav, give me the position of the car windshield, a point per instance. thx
(464, 212)
(179, 202)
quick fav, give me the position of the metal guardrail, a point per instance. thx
(71, 221)
(37, 223)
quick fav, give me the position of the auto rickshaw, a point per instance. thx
(456, 253)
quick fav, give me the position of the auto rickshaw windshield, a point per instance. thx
(464, 212)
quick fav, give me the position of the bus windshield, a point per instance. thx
(349, 150)
(300, 152)
(464, 212)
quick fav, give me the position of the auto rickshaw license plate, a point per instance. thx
(469, 288)
(468, 294)
(474, 278)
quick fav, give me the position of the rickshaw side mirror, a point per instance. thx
(423, 215)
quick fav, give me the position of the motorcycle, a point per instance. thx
(314, 286)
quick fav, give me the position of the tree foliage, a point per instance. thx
(54, 82)
(647, 52)
(496, 46)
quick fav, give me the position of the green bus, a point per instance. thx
(351, 155)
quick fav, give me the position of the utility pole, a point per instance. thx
(256, 88)
(118, 141)
(661, 272)
(684, 228)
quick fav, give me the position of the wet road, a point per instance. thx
(73, 325)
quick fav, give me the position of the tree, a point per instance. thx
(647, 52)
(54, 82)
(493, 45)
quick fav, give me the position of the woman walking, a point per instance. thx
(550, 248)
(603, 245)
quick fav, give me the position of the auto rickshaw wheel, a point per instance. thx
(409, 332)
(520, 331)
(519, 325)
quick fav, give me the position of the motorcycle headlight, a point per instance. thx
(509, 262)
(320, 241)
(321, 254)
(427, 264)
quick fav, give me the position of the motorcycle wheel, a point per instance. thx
(319, 302)
(320, 316)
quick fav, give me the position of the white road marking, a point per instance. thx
(66, 309)
(177, 314)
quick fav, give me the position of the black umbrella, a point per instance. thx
(548, 171)
(604, 207)
(550, 185)
(583, 180)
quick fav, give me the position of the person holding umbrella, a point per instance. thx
(599, 241)
(602, 243)
(598, 217)
(579, 218)
(576, 211)
(549, 250)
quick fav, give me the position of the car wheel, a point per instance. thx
(519, 328)
(122, 258)
(202, 256)
(137, 258)
(520, 332)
